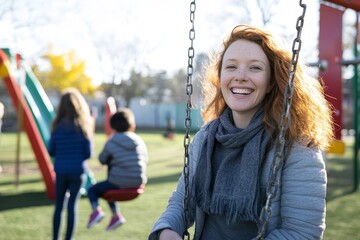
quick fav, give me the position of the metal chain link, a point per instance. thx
(189, 91)
(285, 121)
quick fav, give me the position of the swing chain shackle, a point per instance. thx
(187, 140)
(284, 124)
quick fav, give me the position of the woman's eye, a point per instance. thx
(255, 68)
(230, 67)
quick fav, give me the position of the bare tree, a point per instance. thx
(26, 17)
(266, 8)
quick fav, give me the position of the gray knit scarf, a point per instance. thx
(234, 191)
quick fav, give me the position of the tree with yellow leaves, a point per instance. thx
(66, 70)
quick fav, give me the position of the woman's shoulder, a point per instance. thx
(301, 154)
(199, 135)
(298, 147)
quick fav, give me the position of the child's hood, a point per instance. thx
(126, 140)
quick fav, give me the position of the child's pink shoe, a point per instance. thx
(115, 222)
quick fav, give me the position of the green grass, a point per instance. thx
(26, 212)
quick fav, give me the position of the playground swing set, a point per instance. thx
(330, 70)
(330, 63)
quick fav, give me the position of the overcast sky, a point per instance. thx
(159, 28)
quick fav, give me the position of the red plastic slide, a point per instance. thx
(38, 146)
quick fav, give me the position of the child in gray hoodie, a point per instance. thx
(126, 156)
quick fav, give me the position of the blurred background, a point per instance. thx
(135, 51)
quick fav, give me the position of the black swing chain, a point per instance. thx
(189, 91)
(285, 121)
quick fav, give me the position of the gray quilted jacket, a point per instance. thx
(298, 209)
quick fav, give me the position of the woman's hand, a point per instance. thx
(168, 234)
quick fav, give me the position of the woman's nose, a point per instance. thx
(241, 75)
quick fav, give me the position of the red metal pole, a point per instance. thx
(330, 50)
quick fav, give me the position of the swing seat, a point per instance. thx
(124, 194)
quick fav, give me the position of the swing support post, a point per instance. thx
(356, 107)
(18, 146)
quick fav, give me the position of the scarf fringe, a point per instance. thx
(232, 209)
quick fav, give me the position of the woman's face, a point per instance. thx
(245, 79)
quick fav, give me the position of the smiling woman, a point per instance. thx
(247, 156)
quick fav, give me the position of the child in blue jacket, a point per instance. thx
(70, 145)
